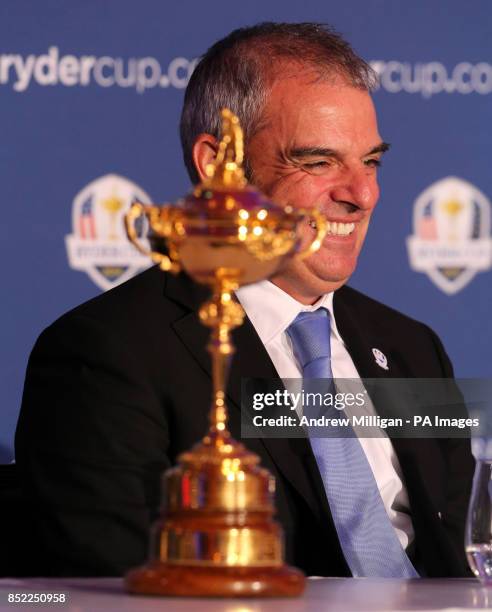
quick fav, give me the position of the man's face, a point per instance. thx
(320, 147)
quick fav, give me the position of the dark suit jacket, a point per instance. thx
(118, 387)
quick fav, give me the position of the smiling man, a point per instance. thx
(318, 146)
(117, 388)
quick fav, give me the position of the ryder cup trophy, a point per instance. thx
(216, 535)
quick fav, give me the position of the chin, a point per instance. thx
(332, 269)
(307, 285)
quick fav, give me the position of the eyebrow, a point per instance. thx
(325, 152)
(380, 148)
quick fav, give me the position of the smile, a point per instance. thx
(337, 229)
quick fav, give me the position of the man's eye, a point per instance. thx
(316, 167)
(374, 163)
(315, 164)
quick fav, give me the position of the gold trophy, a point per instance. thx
(216, 536)
(112, 205)
(452, 208)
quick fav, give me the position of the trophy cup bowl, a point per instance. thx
(216, 536)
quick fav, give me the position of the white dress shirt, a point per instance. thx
(271, 311)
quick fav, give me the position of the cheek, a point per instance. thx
(298, 189)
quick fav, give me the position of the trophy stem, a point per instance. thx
(217, 537)
(222, 314)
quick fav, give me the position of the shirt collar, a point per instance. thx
(271, 310)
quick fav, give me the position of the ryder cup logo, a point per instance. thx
(451, 240)
(98, 244)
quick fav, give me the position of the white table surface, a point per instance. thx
(340, 594)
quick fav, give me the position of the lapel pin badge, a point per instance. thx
(380, 358)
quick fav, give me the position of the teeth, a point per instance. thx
(336, 229)
(340, 229)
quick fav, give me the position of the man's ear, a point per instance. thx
(204, 152)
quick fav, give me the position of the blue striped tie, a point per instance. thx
(367, 537)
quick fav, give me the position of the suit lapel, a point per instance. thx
(291, 456)
(361, 335)
(360, 338)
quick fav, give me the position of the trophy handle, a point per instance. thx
(321, 229)
(163, 227)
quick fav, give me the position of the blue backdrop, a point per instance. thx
(92, 89)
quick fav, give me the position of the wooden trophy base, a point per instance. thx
(191, 581)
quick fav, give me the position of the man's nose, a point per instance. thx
(358, 187)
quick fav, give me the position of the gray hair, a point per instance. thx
(238, 71)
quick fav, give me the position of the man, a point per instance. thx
(118, 387)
